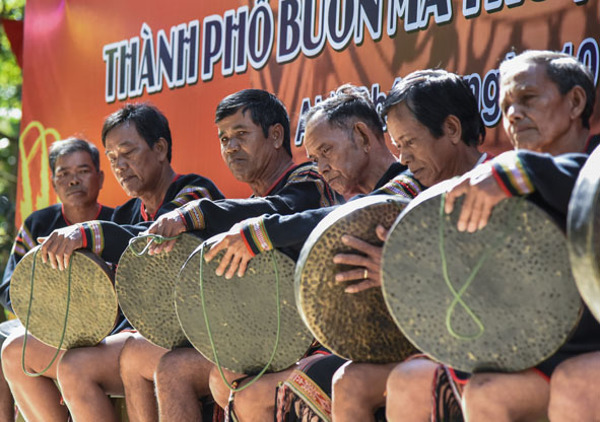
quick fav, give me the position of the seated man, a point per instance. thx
(137, 142)
(77, 180)
(547, 100)
(344, 136)
(253, 129)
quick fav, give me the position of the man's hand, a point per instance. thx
(369, 264)
(482, 194)
(167, 225)
(58, 247)
(236, 255)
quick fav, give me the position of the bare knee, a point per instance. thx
(350, 385)
(72, 369)
(11, 355)
(482, 399)
(218, 388)
(138, 358)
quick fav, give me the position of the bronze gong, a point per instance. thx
(145, 285)
(500, 299)
(355, 326)
(242, 313)
(92, 300)
(583, 230)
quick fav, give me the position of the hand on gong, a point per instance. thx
(58, 247)
(482, 193)
(236, 255)
(167, 225)
(367, 262)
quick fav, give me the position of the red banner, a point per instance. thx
(84, 60)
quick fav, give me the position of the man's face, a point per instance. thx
(137, 167)
(535, 114)
(244, 147)
(76, 180)
(339, 159)
(428, 158)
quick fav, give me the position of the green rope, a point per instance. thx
(62, 337)
(153, 238)
(457, 296)
(210, 336)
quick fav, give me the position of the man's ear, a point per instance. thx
(363, 138)
(276, 135)
(453, 129)
(101, 178)
(577, 101)
(162, 147)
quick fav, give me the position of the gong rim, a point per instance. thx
(145, 287)
(93, 305)
(583, 233)
(354, 326)
(504, 342)
(242, 313)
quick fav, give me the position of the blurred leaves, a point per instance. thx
(11, 81)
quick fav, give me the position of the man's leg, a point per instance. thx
(138, 363)
(575, 389)
(7, 403)
(409, 391)
(86, 375)
(358, 391)
(38, 398)
(181, 381)
(521, 396)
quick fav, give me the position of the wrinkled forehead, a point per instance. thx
(520, 75)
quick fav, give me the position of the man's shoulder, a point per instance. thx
(304, 172)
(44, 214)
(127, 213)
(188, 183)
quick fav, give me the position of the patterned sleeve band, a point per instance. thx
(509, 172)
(192, 215)
(255, 236)
(24, 242)
(93, 236)
(190, 193)
(402, 185)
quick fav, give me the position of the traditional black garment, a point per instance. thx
(291, 231)
(39, 224)
(131, 218)
(299, 188)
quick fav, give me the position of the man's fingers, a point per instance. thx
(382, 232)
(224, 263)
(454, 193)
(358, 244)
(350, 275)
(243, 266)
(214, 250)
(359, 287)
(351, 259)
(233, 266)
(476, 215)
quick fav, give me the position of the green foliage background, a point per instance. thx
(10, 118)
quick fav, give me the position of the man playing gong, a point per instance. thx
(77, 180)
(137, 142)
(547, 99)
(254, 133)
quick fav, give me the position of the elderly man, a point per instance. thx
(137, 142)
(253, 130)
(547, 100)
(77, 180)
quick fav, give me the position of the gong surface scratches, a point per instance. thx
(145, 285)
(355, 326)
(92, 308)
(583, 230)
(242, 313)
(517, 309)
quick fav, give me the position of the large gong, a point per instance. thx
(583, 229)
(92, 302)
(242, 313)
(500, 299)
(355, 326)
(145, 286)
